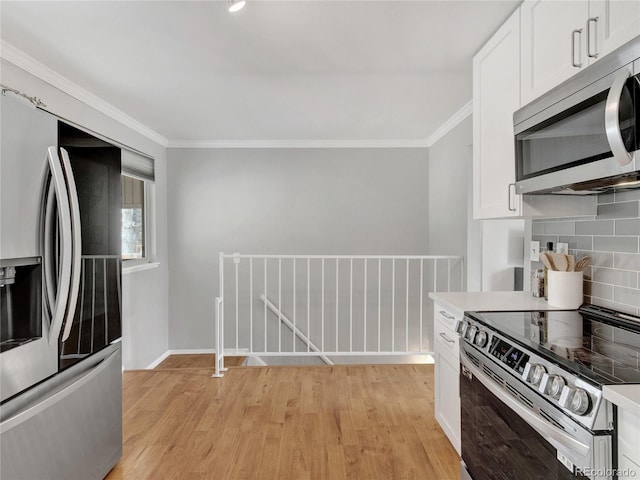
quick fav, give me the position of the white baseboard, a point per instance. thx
(157, 361)
(195, 351)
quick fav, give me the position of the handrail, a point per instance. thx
(283, 318)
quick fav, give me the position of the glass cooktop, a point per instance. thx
(598, 344)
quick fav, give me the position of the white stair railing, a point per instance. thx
(336, 305)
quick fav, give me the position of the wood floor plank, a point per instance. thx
(285, 423)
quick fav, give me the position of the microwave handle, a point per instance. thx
(612, 119)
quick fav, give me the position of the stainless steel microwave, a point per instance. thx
(584, 135)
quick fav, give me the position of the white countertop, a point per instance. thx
(626, 397)
(495, 301)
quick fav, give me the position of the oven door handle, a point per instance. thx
(540, 425)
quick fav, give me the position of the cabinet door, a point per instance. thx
(547, 39)
(447, 399)
(496, 95)
(612, 24)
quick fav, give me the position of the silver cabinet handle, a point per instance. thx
(509, 196)
(612, 119)
(76, 244)
(548, 431)
(592, 21)
(447, 339)
(446, 315)
(573, 48)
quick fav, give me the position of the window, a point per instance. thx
(133, 219)
(136, 185)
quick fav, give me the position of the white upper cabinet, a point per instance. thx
(553, 43)
(612, 24)
(562, 37)
(496, 95)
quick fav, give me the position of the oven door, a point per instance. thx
(502, 440)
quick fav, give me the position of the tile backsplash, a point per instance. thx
(612, 239)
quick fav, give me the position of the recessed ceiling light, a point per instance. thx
(235, 5)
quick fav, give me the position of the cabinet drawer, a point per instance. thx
(446, 341)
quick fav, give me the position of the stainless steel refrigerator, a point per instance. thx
(60, 298)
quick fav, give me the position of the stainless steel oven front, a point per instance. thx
(517, 423)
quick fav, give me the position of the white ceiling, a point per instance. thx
(299, 71)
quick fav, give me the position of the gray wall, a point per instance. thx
(452, 230)
(145, 304)
(284, 201)
(612, 239)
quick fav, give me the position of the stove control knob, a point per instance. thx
(462, 328)
(533, 373)
(481, 339)
(575, 399)
(556, 385)
(471, 333)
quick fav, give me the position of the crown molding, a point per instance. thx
(411, 143)
(46, 74)
(450, 124)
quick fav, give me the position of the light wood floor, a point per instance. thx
(280, 423)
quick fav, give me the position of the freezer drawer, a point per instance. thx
(68, 427)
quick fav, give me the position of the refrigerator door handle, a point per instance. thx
(64, 219)
(76, 244)
(49, 230)
(31, 411)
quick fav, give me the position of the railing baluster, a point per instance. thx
(93, 304)
(364, 315)
(106, 305)
(251, 304)
(83, 275)
(266, 348)
(393, 305)
(295, 329)
(351, 305)
(406, 331)
(279, 305)
(379, 298)
(421, 301)
(337, 303)
(237, 266)
(322, 306)
(308, 304)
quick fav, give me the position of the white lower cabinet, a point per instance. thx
(628, 441)
(447, 368)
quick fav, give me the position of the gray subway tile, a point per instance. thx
(606, 198)
(600, 290)
(577, 243)
(626, 261)
(611, 276)
(601, 227)
(628, 195)
(559, 228)
(537, 228)
(616, 244)
(618, 210)
(598, 259)
(628, 227)
(627, 296)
